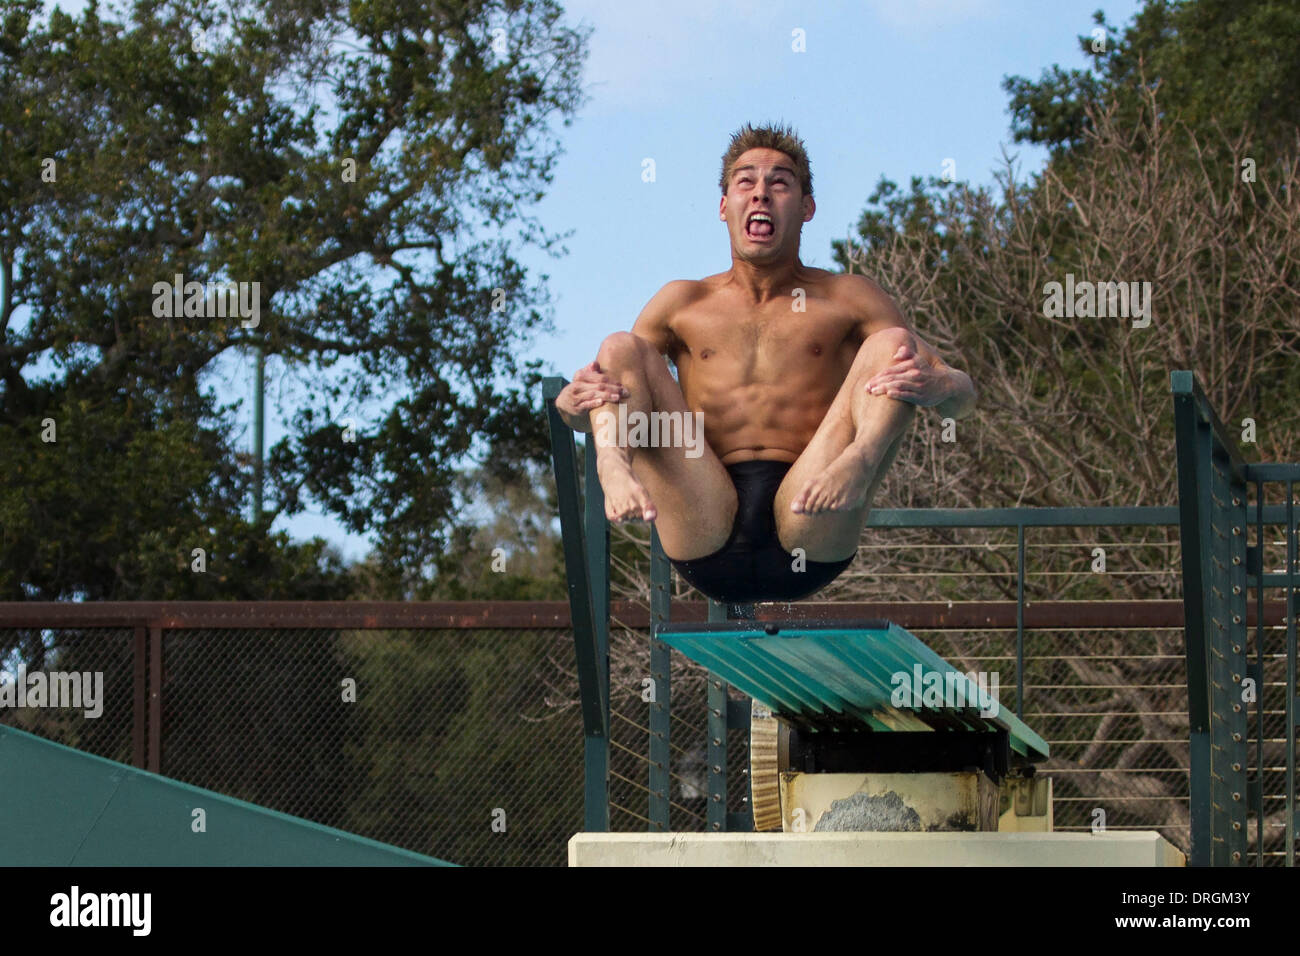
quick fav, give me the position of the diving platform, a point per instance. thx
(842, 676)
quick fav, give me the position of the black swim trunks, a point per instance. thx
(752, 566)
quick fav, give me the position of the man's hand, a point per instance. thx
(910, 379)
(589, 389)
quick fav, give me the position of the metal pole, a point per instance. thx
(661, 684)
(155, 698)
(259, 415)
(1020, 621)
(1291, 560)
(716, 814)
(585, 604)
(597, 541)
(1259, 675)
(1193, 450)
(140, 697)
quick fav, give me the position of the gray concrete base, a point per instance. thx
(1139, 848)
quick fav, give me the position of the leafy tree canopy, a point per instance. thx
(368, 165)
(1234, 62)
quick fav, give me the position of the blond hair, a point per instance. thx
(780, 138)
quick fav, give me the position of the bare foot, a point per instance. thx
(841, 487)
(625, 497)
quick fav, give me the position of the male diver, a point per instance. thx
(805, 380)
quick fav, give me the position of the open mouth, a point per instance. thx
(759, 225)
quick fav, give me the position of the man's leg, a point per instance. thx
(691, 500)
(837, 475)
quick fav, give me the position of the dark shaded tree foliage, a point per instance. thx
(187, 138)
(1230, 62)
(505, 547)
(369, 164)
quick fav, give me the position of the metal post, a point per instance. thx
(1211, 493)
(1291, 561)
(716, 816)
(1020, 621)
(140, 696)
(1258, 790)
(259, 416)
(661, 687)
(597, 539)
(1193, 492)
(155, 698)
(593, 691)
(1229, 659)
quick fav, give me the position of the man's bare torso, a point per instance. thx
(764, 376)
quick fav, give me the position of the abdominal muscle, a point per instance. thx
(762, 381)
(758, 421)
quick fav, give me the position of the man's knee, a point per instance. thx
(888, 341)
(622, 349)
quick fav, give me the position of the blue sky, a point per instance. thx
(885, 87)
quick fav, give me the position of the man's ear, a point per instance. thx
(809, 208)
(722, 208)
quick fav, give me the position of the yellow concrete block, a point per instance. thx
(1028, 803)
(884, 802)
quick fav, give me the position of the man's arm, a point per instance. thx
(653, 322)
(590, 386)
(925, 379)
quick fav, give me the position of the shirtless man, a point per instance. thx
(807, 381)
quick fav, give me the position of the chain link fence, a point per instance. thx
(448, 742)
(106, 652)
(465, 743)
(1110, 701)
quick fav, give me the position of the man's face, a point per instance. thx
(764, 206)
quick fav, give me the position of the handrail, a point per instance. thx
(1219, 568)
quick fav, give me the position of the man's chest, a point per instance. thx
(770, 336)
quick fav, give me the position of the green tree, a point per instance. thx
(504, 545)
(364, 163)
(456, 752)
(1231, 62)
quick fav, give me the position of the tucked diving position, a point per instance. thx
(805, 382)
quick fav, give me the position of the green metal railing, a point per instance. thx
(1220, 566)
(586, 562)
(725, 714)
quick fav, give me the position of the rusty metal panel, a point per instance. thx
(543, 615)
(139, 695)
